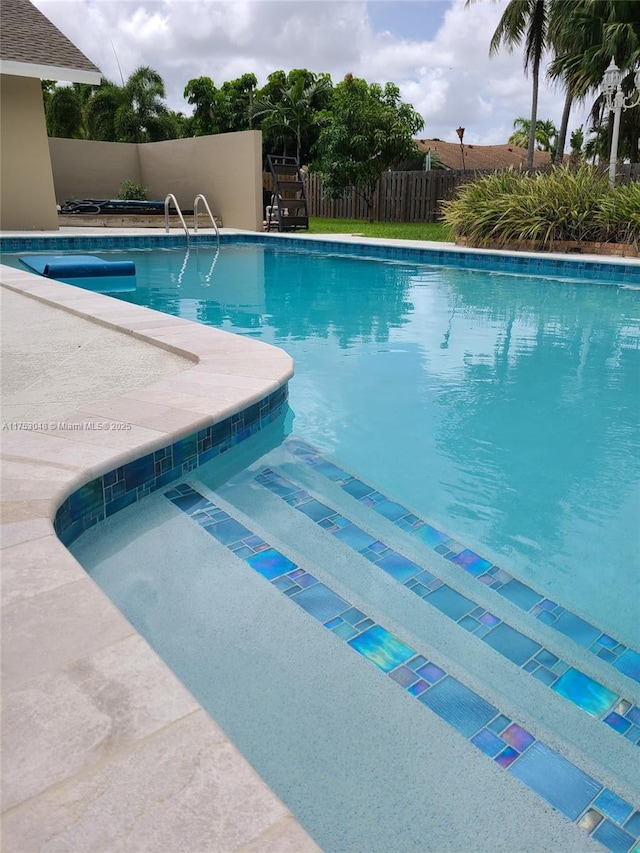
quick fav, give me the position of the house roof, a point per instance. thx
(31, 46)
(481, 156)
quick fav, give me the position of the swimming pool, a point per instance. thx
(452, 341)
(500, 408)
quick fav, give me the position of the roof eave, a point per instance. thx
(49, 72)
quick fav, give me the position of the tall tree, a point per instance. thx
(292, 109)
(367, 130)
(525, 20)
(545, 134)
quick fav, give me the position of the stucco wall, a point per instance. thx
(225, 168)
(27, 198)
(83, 169)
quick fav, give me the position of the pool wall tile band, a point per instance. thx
(597, 810)
(584, 692)
(587, 270)
(607, 648)
(127, 484)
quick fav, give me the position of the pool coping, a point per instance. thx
(28, 536)
(228, 375)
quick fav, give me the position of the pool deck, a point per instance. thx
(103, 748)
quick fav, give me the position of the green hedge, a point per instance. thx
(563, 204)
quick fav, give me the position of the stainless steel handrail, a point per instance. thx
(172, 198)
(211, 217)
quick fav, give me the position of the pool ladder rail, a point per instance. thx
(171, 199)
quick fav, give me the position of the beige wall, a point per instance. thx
(27, 198)
(84, 169)
(225, 168)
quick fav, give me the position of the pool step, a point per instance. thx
(419, 647)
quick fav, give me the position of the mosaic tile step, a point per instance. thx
(626, 660)
(587, 694)
(595, 809)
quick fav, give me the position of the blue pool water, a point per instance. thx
(501, 408)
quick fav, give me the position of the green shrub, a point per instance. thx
(130, 191)
(561, 204)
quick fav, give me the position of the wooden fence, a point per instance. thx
(403, 196)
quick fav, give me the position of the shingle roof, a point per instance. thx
(481, 156)
(29, 38)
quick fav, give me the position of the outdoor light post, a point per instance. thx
(616, 101)
(460, 132)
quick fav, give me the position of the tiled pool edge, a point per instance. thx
(29, 534)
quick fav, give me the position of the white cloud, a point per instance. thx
(449, 79)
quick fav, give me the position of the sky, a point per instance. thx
(435, 51)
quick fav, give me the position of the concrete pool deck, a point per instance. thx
(105, 749)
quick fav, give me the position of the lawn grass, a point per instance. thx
(392, 230)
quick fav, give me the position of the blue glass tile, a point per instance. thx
(417, 662)
(139, 471)
(457, 705)
(633, 824)
(606, 655)
(425, 577)
(606, 640)
(321, 602)
(190, 502)
(468, 623)
(184, 449)
(613, 838)
(629, 664)
(430, 535)
(417, 588)
(633, 734)
(332, 623)
(357, 488)
(517, 737)
(382, 648)
(271, 563)
(404, 676)
(556, 780)
(584, 692)
(227, 531)
(489, 620)
(353, 616)
(354, 537)
(618, 723)
(418, 688)
(633, 714)
(284, 583)
(577, 629)
(306, 580)
(450, 602)
(366, 623)
(521, 595)
(391, 510)
(120, 503)
(345, 631)
(471, 562)
(545, 676)
(546, 658)
(281, 487)
(87, 498)
(243, 552)
(486, 741)
(316, 510)
(399, 567)
(328, 469)
(507, 756)
(431, 673)
(613, 806)
(511, 644)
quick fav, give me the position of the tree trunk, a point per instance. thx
(564, 124)
(534, 116)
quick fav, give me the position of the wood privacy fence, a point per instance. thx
(404, 196)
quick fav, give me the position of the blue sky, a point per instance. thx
(436, 51)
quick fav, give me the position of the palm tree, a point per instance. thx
(545, 134)
(134, 112)
(293, 109)
(66, 111)
(528, 20)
